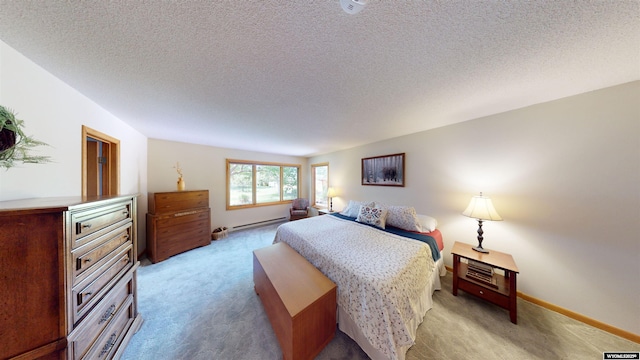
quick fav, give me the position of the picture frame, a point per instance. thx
(385, 170)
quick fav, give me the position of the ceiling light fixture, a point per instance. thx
(352, 6)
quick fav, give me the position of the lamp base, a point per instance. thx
(480, 238)
(480, 249)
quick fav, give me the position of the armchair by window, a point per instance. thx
(299, 209)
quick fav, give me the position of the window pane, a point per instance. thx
(267, 183)
(321, 184)
(290, 182)
(240, 184)
(255, 184)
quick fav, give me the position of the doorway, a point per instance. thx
(100, 163)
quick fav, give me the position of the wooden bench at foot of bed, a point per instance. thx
(298, 299)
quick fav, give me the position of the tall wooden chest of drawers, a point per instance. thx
(177, 222)
(68, 277)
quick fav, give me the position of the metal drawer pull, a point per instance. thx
(82, 296)
(81, 227)
(81, 261)
(125, 213)
(185, 213)
(110, 342)
(108, 314)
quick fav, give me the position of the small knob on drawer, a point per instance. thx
(481, 293)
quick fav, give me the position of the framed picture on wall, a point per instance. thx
(386, 170)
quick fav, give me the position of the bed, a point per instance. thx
(385, 279)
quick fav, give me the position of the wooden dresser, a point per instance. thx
(177, 221)
(68, 277)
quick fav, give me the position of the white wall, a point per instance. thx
(564, 175)
(54, 112)
(204, 168)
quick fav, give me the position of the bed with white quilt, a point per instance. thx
(386, 262)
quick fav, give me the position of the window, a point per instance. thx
(320, 184)
(252, 184)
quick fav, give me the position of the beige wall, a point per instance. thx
(564, 175)
(204, 168)
(54, 113)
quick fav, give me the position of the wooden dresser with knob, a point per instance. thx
(177, 221)
(68, 277)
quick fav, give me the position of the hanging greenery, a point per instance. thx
(14, 144)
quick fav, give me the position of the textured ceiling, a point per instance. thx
(304, 77)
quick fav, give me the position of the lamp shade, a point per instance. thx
(331, 192)
(481, 208)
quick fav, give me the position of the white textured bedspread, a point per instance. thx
(380, 276)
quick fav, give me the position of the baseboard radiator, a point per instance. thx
(259, 223)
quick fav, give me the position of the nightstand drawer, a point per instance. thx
(483, 292)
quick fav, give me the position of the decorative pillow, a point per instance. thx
(372, 215)
(427, 223)
(353, 208)
(403, 217)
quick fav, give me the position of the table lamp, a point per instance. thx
(331, 193)
(481, 208)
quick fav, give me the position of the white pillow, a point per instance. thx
(353, 208)
(427, 223)
(372, 215)
(403, 217)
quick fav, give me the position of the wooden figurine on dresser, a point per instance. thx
(68, 277)
(177, 221)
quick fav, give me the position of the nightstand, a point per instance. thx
(474, 272)
(324, 211)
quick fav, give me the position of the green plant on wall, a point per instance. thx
(15, 146)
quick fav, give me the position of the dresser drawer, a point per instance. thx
(90, 221)
(188, 239)
(91, 256)
(188, 231)
(89, 329)
(181, 218)
(110, 339)
(86, 293)
(168, 202)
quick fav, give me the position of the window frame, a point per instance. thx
(314, 202)
(254, 164)
(94, 181)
